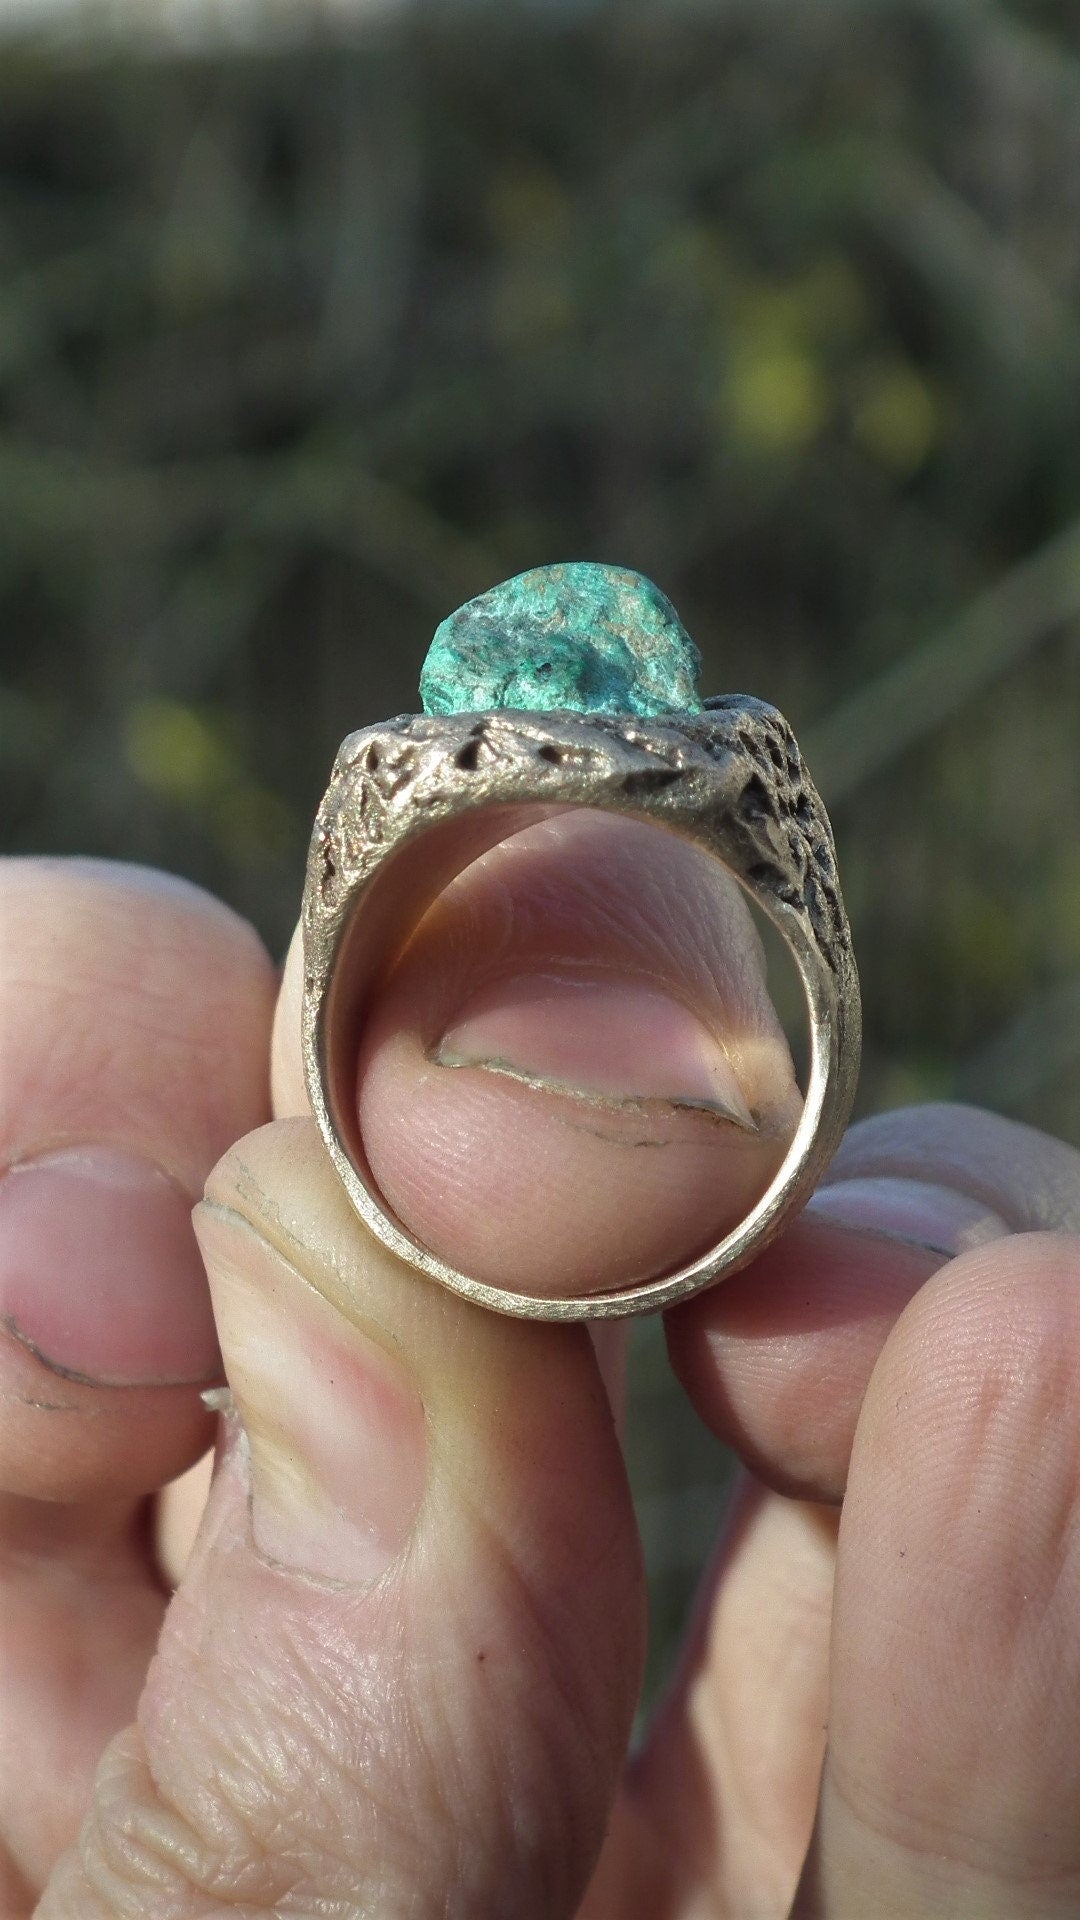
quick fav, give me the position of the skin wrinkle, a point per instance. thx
(50, 1406)
(269, 1853)
(954, 1865)
(229, 1853)
(441, 1149)
(524, 932)
(267, 1222)
(544, 1639)
(634, 1105)
(588, 1096)
(371, 1331)
(610, 1139)
(462, 1634)
(556, 1710)
(451, 1784)
(128, 1857)
(531, 1636)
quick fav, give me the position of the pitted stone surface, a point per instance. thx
(579, 637)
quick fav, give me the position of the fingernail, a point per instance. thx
(334, 1426)
(917, 1211)
(100, 1272)
(598, 1037)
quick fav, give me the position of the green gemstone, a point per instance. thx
(589, 638)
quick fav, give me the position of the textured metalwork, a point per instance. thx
(414, 800)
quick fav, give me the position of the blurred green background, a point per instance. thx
(305, 340)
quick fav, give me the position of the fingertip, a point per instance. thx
(1007, 1309)
(952, 1778)
(776, 1359)
(135, 1012)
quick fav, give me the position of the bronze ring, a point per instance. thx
(413, 801)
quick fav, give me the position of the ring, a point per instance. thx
(567, 687)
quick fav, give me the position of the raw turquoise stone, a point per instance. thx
(589, 638)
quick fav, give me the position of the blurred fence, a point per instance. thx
(779, 303)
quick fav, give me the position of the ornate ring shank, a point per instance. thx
(414, 800)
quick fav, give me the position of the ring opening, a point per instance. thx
(384, 926)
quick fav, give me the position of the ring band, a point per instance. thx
(413, 801)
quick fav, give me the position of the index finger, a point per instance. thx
(777, 1360)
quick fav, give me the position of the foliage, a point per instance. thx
(778, 304)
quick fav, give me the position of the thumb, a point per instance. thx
(400, 1672)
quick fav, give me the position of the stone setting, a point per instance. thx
(579, 637)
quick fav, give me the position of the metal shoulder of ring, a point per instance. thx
(730, 778)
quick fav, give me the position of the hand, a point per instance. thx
(398, 1676)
